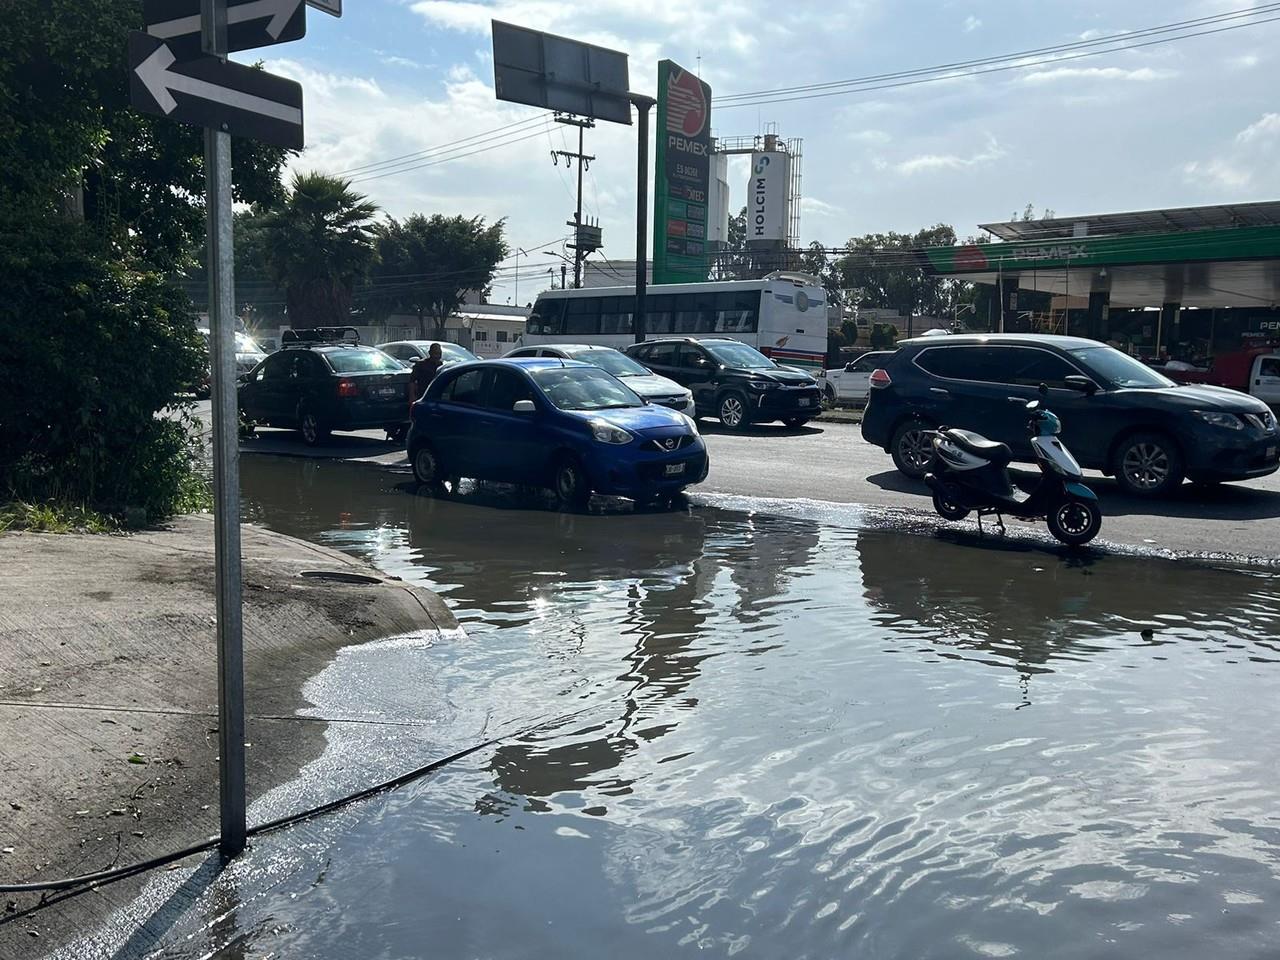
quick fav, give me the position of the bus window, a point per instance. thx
(547, 317)
(659, 314)
(736, 312)
(615, 314)
(583, 316)
(695, 313)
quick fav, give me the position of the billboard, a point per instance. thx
(682, 177)
(767, 199)
(544, 70)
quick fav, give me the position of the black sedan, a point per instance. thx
(317, 388)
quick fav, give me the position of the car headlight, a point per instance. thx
(1228, 420)
(762, 384)
(691, 423)
(606, 432)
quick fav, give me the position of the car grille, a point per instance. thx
(676, 403)
(669, 444)
(1263, 421)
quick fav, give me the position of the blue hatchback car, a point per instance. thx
(557, 423)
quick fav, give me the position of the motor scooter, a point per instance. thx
(970, 473)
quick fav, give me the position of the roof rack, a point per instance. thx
(309, 336)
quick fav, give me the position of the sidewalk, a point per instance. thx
(108, 695)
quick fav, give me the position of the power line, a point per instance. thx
(962, 69)
(460, 156)
(438, 148)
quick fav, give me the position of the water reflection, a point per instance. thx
(1030, 610)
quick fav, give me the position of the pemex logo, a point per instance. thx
(686, 104)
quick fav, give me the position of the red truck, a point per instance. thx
(1255, 371)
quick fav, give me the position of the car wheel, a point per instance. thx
(1148, 465)
(570, 484)
(795, 422)
(427, 468)
(1075, 522)
(829, 398)
(733, 411)
(313, 431)
(912, 449)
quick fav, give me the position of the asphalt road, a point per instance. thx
(831, 462)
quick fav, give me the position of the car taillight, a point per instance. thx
(880, 378)
(348, 388)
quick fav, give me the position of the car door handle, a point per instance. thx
(1017, 399)
(940, 390)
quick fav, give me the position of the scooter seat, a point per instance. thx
(975, 443)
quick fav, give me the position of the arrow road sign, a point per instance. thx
(250, 23)
(331, 7)
(210, 92)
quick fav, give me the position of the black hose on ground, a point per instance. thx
(119, 873)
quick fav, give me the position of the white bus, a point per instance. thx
(784, 316)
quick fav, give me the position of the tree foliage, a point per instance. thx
(426, 265)
(66, 124)
(318, 244)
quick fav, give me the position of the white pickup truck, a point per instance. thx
(848, 386)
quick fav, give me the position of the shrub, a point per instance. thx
(94, 353)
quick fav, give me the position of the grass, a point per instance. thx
(54, 517)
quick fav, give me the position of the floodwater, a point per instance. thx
(794, 735)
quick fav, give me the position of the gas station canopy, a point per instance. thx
(1216, 256)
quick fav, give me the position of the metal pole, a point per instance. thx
(643, 104)
(226, 460)
(517, 276)
(577, 216)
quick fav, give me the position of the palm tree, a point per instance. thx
(318, 244)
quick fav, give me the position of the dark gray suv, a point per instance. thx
(1118, 415)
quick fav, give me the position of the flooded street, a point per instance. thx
(796, 736)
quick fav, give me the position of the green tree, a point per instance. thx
(426, 265)
(318, 244)
(881, 270)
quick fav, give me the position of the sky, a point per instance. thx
(1191, 122)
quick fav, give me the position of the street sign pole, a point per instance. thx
(226, 459)
(643, 105)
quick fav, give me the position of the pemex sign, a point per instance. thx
(682, 176)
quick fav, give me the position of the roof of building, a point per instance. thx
(1218, 216)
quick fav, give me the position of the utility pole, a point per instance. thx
(581, 245)
(226, 459)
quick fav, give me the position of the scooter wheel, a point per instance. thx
(1075, 522)
(948, 510)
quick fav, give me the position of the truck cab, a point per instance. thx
(1255, 371)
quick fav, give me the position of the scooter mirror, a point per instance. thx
(1034, 405)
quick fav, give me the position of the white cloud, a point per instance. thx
(928, 162)
(1245, 61)
(869, 136)
(1265, 128)
(971, 23)
(1242, 164)
(1057, 74)
(392, 60)
(819, 208)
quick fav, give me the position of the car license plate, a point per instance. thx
(805, 401)
(387, 392)
(674, 469)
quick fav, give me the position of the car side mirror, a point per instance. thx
(524, 406)
(700, 361)
(1044, 389)
(1083, 384)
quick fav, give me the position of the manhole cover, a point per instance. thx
(341, 576)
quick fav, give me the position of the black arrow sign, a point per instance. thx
(250, 23)
(211, 92)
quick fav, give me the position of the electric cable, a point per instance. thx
(113, 874)
(379, 175)
(440, 147)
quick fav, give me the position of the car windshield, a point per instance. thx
(449, 352)
(619, 364)
(1120, 369)
(246, 344)
(584, 388)
(361, 361)
(739, 355)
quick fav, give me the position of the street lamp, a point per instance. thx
(564, 269)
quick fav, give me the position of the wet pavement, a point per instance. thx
(760, 728)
